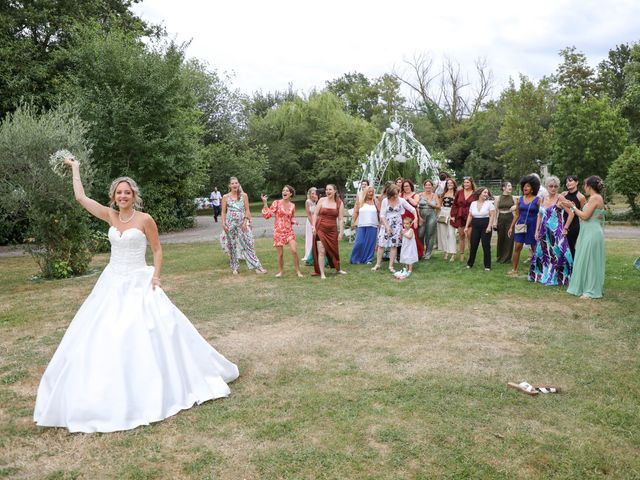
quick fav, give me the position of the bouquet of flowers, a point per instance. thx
(56, 160)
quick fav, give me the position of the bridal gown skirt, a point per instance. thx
(128, 358)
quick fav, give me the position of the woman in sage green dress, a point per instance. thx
(428, 208)
(587, 279)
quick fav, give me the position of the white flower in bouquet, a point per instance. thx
(56, 160)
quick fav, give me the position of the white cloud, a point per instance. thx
(269, 44)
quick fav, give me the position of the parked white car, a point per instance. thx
(202, 203)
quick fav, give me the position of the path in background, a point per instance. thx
(206, 230)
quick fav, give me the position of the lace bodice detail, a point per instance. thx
(127, 249)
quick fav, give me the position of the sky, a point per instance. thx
(267, 45)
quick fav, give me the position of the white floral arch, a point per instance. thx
(397, 144)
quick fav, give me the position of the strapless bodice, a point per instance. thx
(128, 250)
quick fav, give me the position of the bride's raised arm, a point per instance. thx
(93, 207)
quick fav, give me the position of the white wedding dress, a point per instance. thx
(129, 357)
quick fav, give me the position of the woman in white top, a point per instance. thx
(391, 212)
(310, 207)
(365, 218)
(479, 226)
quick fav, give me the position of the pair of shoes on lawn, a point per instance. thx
(533, 390)
(402, 274)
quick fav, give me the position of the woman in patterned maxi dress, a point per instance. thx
(391, 211)
(552, 261)
(237, 238)
(285, 212)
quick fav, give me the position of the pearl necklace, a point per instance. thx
(127, 220)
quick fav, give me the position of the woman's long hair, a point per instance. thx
(137, 198)
(240, 191)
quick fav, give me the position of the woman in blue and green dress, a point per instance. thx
(587, 280)
(552, 261)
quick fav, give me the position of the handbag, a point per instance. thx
(522, 227)
(442, 219)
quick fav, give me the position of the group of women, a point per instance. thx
(442, 216)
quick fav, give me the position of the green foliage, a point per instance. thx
(574, 73)
(630, 103)
(312, 141)
(58, 226)
(141, 106)
(611, 72)
(249, 164)
(31, 33)
(624, 177)
(99, 242)
(523, 135)
(483, 136)
(367, 98)
(588, 134)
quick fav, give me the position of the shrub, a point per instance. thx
(624, 177)
(58, 227)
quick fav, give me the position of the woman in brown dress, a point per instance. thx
(325, 232)
(505, 204)
(460, 210)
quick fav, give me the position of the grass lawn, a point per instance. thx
(358, 376)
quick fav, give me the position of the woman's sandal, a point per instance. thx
(392, 270)
(375, 268)
(524, 387)
(546, 388)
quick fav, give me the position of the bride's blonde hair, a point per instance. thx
(137, 198)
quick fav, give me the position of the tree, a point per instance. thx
(630, 103)
(142, 110)
(248, 164)
(611, 72)
(32, 32)
(484, 128)
(587, 135)
(624, 177)
(574, 73)
(367, 98)
(446, 93)
(523, 136)
(311, 141)
(57, 226)
(261, 103)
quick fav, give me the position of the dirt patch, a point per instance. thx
(415, 343)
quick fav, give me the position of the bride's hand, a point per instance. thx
(71, 161)
(155, 282)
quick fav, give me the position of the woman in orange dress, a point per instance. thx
(285, 213)
(329, 213)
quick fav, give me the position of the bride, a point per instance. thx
(129, 357)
